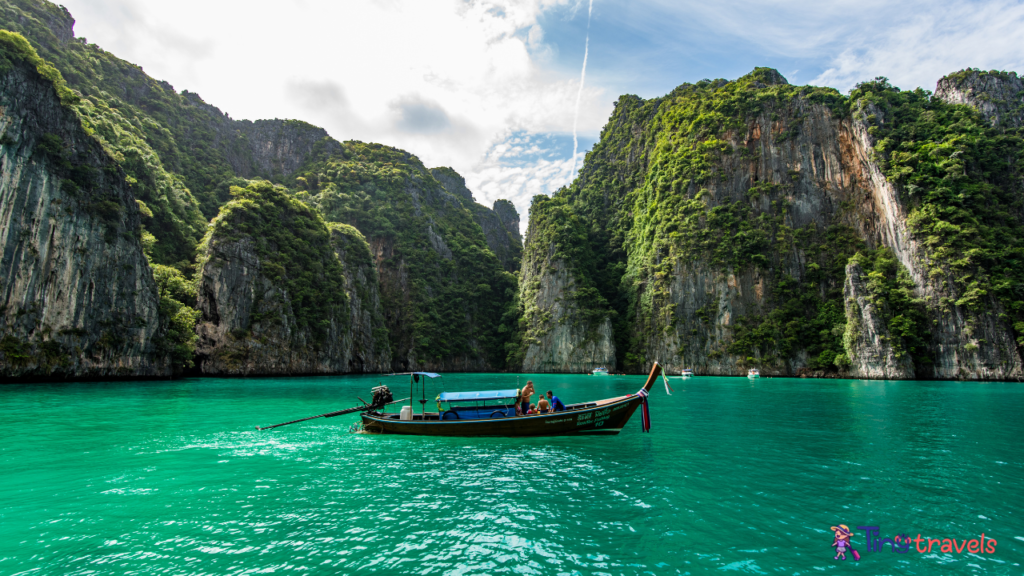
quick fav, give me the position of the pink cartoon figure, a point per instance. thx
(842, 542)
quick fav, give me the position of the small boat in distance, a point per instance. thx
(686, 373)
(602, 371)
(753, 373)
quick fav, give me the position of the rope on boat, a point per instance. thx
(645, 412)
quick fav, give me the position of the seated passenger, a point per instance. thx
(542, 405)
(533, 409)
(556, 404)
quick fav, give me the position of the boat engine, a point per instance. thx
(381, 397)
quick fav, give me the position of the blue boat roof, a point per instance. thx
(486, 395)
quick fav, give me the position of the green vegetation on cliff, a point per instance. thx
(294, 249)
(642, 190)
(962, 178)
(178, 316)
(892, 291)
(663, 198)
(443, 290)
(129, 113)
(559, 239)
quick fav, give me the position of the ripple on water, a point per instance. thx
(170, 478)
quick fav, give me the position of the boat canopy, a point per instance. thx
(487, 395)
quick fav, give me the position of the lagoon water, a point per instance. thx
(169, 477)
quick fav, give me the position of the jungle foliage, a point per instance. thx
(962, 178)
(647, 194)
(294, 249)
(182, 159)
(456, 291)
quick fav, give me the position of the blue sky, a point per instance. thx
(489, 87)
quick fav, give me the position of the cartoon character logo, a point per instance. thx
(842, 542)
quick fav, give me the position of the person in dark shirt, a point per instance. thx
(556, 404)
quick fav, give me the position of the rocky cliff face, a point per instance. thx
(558, 341)
(567, 326)
(509, 217)
(867, 337)
(728, 240)
(279, 148)
(263, 313)
(999, 96)
(500, 224)
(77, 298)
(366, 342)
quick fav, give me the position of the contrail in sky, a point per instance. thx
(583, 77)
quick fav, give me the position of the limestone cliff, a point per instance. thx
(867, 338)
(77, 298)
(500, 224)
(282, 294)
(367, 340)
(567, 325)
(723, 217)
(444, 291)
(999, 96)
(278, 148)
(509, 217)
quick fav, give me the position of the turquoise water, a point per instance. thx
(170, 478)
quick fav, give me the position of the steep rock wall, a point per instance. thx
(279, 148)
(442, 289)
(824, 170)
(567, 324)
(560, 343)
(867, 338)
(255, 321)
(726, 237)
(78, 298)
(509, 217)
(999, 96)
(500, 224)
(366, 342)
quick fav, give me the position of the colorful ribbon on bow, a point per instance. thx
(645, 411)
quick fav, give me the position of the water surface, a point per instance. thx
(169, 477)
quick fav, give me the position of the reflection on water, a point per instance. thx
(171, 478)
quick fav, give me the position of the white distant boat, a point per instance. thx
(686, 373)
(600, 371)
(753, 373)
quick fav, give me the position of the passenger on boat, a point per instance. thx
(525, 396)
(542, 405)
(533, 409)
(556, 404)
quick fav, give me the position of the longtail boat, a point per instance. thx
(493, 413)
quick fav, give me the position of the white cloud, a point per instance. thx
(934, 42)
(446, 80)
(471, 84)
(912, 42)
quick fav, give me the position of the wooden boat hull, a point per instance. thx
(608, 418)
